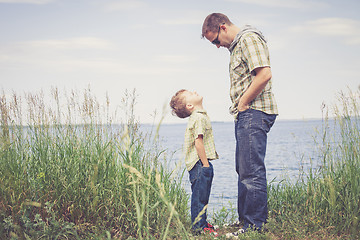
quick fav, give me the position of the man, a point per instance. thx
(254, 110)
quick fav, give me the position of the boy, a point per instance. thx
(199, 149)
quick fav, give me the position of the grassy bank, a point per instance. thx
(68, 172)
(324, 203)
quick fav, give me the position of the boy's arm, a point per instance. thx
(200, 149)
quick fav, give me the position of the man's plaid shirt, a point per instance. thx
(250, 53)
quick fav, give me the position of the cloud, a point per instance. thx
(71, 43)
(85, 54)
(348, 29)
(181, 21)
(83, 51)
(124, 5)
(27, 1)
(178, 59)
(188, 17)
(299, 4)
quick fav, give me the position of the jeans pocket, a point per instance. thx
(194, 173)
(246, 110)
(207, 171)
(268, 121)
(206, 177)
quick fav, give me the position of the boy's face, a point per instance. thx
(192, 98)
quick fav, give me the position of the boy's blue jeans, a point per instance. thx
(251, 128)
(201, 180)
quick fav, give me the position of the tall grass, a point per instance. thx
(326, 200)
(67, 171)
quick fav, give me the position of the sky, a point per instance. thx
(155, 47)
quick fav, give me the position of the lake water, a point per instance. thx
(291, 146)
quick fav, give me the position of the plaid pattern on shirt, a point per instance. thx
(199, 124)
(250, 53)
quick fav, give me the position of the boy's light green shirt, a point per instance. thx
(199, 124)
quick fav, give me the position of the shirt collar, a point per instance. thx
(243, 30)
(199, 111)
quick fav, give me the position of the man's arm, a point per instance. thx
(199, 145)
(262, 77)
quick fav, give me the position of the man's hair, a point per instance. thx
(213, 21)
(178, 105)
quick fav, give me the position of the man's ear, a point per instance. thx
(224, 27)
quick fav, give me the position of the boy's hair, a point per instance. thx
(213, 21)
(178, 105)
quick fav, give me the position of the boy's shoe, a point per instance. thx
(231, 225)
(235, 234)
(211, 226)
(210, 231)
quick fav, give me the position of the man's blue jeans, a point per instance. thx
(201, 180)
(251, 128)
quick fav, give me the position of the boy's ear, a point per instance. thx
(189, 106)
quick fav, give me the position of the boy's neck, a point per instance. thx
(198, 107)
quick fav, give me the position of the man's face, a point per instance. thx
(218, 38)
(214, 38)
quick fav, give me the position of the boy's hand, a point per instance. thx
(206, 165)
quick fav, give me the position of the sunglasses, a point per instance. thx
(216, 40)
